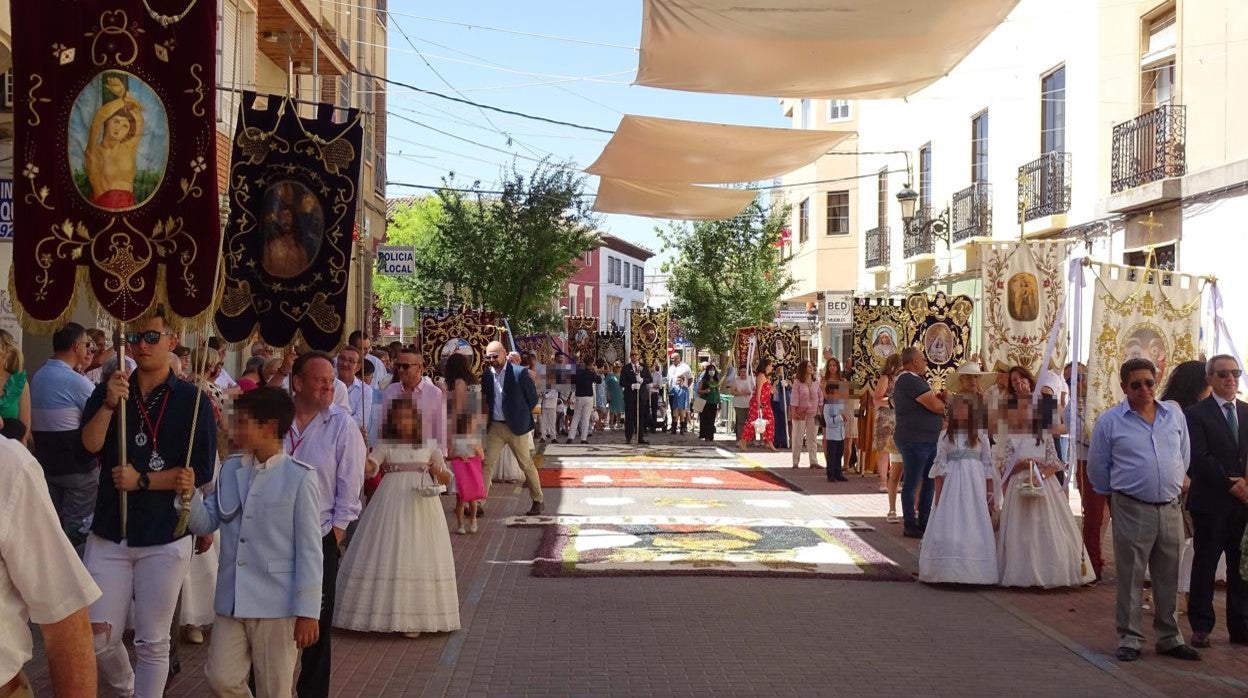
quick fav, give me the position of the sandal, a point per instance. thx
(892, 517)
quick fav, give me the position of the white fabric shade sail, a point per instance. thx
(677, 201)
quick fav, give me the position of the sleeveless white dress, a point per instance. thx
(399, 573)
(959, 546)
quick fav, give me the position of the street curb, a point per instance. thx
(771, 471)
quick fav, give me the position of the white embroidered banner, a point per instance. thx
(1138, 313)
(1024, 297)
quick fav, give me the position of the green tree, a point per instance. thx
(726, 274)
(412, 225)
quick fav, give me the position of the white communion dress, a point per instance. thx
(959, 546)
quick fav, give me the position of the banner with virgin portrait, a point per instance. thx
(648, 335)
(541, 346)
(881, 329)
(1139, 313)
(292, 219)
(1024, 296)
(445, 332)
(611, 348)
(941, 327)
(582, 336)
(115, 153)
(783, 346)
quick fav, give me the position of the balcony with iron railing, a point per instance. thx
(1044, 187)
(1149, 148)
(918, 240)
(972, 213)
(877, 247)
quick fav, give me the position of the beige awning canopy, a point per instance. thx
(678, 201)
(650, 149)
(849, 49)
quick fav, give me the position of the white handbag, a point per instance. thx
(1033, 486)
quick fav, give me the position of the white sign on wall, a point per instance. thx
(839, 308)
(6, 210)
(396, 261)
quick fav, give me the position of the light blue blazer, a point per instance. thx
(271, 548)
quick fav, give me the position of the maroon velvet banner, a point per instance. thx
(114, 157)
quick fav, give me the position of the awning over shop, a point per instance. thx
(678, 201)
(646, 148)
(859, 49)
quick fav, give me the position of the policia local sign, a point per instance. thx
(396, 261)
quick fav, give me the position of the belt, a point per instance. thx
(404, 468)
(1141, 501)
(14, 685)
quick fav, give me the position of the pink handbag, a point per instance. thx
(469, 478)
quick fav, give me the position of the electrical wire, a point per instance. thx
(469, 141)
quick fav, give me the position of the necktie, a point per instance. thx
(1231, 419)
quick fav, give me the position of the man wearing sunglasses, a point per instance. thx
(1139, 456)
(143, 566)
(414, 385)
(1219, 432)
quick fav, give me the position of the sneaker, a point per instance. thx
(411, 636)
(461, 531)
(892, 517)
(472, 526)
(535, 510)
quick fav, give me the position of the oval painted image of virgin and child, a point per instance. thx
(938, 344)
(1146, 342)
(1023, 297)
(292, 225)
(582, 336)
(883, 342)
(117, 141)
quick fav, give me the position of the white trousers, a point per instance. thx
(550, 429)
(150, 579)
(805, 429)
(239, 645)
(583, 419)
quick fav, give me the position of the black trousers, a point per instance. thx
(315, 661)
(630, 414)
(1215, 534)
(706, 420)
(834, 454)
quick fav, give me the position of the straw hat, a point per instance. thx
(972, 368)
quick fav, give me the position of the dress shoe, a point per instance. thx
(1183, 652)
(535, 510)
(643, 443)
(193, 635)
(480, 511)
(1200, 640)
(912, 532)
(1128, 654)
(1237, 640)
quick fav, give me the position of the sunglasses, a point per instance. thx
(403, 367)
(1229, 373)
(150, 337)
(1146, 383)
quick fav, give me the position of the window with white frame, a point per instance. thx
(573, 291)
(639, 278)
(838, 109)
(1158, 63)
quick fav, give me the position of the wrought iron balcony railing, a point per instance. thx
(972, 212)
(918, 239)
(877, 247)
(1149, 148)
(1044, 187)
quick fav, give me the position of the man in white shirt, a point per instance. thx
(741, 384)
(41, 580)
(364, 346)
(361, 398)
(679, 369)
(223, 379)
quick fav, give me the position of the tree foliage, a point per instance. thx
(726, 274)
(510, 252)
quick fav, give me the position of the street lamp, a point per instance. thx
(908, 199)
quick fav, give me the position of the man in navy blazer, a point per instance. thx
(1218, 500)
(509, 396)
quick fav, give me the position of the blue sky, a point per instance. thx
(420, 155)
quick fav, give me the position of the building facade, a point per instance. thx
(609, 281)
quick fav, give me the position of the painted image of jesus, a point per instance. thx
(118, 141)
(293, 226)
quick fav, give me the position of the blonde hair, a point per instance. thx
(12, 352)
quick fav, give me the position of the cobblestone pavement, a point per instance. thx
(686, 636)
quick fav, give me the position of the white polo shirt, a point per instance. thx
(41, 577)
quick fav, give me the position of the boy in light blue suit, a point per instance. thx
(268, 599)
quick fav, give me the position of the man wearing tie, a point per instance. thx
(510, 397)
(1217, 501)
(635, 380)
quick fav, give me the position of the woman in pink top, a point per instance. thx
(806, 400)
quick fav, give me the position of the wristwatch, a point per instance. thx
(144, 481)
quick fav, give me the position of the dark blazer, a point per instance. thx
(1215, 456)
(628, 377)
(519, 398)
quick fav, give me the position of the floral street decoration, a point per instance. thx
(1024, 296)
(444, 332)
(115, 154)
(611, 348)
(292, 217)
(1139, 313)
(648, 334)
(941, 327)
(582, 336)
(881, 329)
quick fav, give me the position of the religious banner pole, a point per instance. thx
(120, 421)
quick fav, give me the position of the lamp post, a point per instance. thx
(937, 227)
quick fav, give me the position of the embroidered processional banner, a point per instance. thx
(542, 346)
(115, 149)
(292, 219)
(881, 329)
(784, 348)
(611, 348)
(582, 336)
(941, 327)
(741, 352)
(444, 332)
(1138, 313)
(648, 334)
(1024, 297)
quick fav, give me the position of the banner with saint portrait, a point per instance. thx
(1138, 313)
(445, 332)
(582, 336)
(941, 327)
(611, 348)
(741, 354)
(783, 346)
(1024, 296)
(115, 154)
(292, 219)
(648, 335)
(881, 329)
(541, 346)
